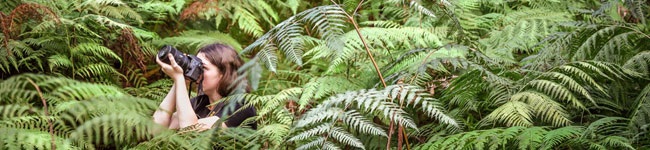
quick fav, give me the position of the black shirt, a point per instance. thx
(200, 102)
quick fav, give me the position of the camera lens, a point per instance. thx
(179, 57)
(192, 66)
(162, 54)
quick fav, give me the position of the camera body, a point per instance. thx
(192, 66)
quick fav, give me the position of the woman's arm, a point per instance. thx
(185, 113)
(209, 121)
(163, 115)
(177, 96)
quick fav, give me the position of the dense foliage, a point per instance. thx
(393, 74)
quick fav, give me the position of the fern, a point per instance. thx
(410, 38)
(639, 120)
(57, 89)
(639, 63)
(508, 138)
(99, 120)
(420, 60)
(156, 90)
(111, 8)
(512, 114)
(371, 101)
(276, 133)
(326, 20)
(563, 83)
(17, 55)
(193, 40)
(25, 138)
(318, 88)
(558, 136)
(531, 138)
(113, 129)
(511, 74)
(523, 29)
(545, 108)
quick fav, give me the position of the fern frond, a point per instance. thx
(320, 129)
(417, 62)
(513, 113)
(414, 96)
(267, 57)
(376, 102)
(327, 21)
(639, 121)
(98, 69)
(19, 54)
(31, 139)
(606, 126)
(639, 63)
(169, 139)
(156, 90)
(78, 111)
(194, 39)
(381, 24)
(276, 133)
(107, 21)
(278, 100)
(232, 138)
(318, 88)
(19, 90)
(248, 22)
(314, 143)
(531, 138)
(617, 142)
(319, 117)
(572, 84)
(59, 61)
(616, 46)
(116, 128)
(344, 137)
(421, 9)
(111, 8)
(409, 37)
(557, 91)
(544, 107)
(557, 136)
(521, 138)
(582, 75)
(95, 49)
(37, 123)
(16, 110)
(360, 123)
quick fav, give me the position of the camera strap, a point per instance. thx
(189, 93)
(199, 90)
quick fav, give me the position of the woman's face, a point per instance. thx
(211, 75)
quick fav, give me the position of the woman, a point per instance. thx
(220, 64)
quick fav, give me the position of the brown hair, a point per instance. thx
(228, 62)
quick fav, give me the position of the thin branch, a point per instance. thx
(374, 63)
(49, 121)
(358, 7)
(367, 48)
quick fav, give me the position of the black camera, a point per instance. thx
(192, 66)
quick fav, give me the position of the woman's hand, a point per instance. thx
(172, 70)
